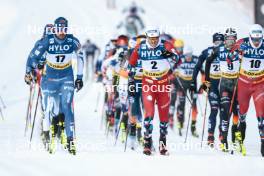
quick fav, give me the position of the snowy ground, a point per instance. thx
(96, 153)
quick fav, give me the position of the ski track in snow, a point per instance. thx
(96, 154)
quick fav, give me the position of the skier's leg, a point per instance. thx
(148, 101)
(67, 92)
(225, 102)
(244, 93)
(258, 97)
(235, 117)
(194, 114)
(163, 102)
(213, 97)
(180, 109)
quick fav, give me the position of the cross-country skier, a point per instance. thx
(251, 81)
(136, 103)
(59, 50)
(185, 72)
(91, 51)
(154, 54)
(213, 94)
(179, 46)
(228, 82)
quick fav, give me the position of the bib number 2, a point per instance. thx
(154, 65)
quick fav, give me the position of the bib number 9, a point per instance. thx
(230, 66)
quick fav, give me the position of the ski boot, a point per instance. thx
(234, 144)
(224, 144)
(162, 140)
(132, 136)
(52, 146)
(148, 135)
(210, 140)
(193, 129)
(110, 123)
(241, 148)
(147, 145)
(139, 134)
(180, 127)
(123, 132)
(124, 127)
(63, 137)
(46, 139)
(71, 146)
(162, 145)
(60, 124)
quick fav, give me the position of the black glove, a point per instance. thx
(28, 78)
(78, 84)
(41, 65)
(131, 87)
(167, 54)
(193, 86)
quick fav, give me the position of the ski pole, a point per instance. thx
(2, 101)
(188, 123)
(127, 131)
(119, 127)
(206, 101)
(29, 107)
(97, 101)
(2, 114)
(35, 113)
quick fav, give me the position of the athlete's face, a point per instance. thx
(61, 31)
(218, 42)
(230, 42)
(153, 41)
(256, 41)
(188, 57)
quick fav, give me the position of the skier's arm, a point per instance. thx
(199, 65)
(80, 62)
(36, 54)
(170, 52)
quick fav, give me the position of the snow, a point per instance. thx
(96, 153)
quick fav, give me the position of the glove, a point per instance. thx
(206, 86)
(193, 86)
(131, 87)
(41, 65)
(166, 54)
(28, 78)
(78, 84)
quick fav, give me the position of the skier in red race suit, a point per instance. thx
(158, 57)
(251, 81)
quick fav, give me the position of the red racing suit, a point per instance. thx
(156, 67)
(251, 81)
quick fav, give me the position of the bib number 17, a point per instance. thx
(60, 58)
